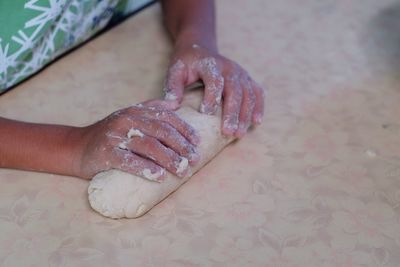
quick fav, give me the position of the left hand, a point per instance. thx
(243, 103)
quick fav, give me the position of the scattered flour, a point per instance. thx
(122, 145)
(370, 153)
(134, 132)
(170, 96)
(131, 133)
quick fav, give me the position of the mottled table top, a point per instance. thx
(318, 184)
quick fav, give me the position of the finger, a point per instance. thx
(153, 149)
(232, 102)
(174, 140)
(170, 117)
(259, 104)
(214, 85)
(167, 135)
(175, 82)
(180, 125)
(246, 111)
(136, 165)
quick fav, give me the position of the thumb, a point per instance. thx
(161, 104)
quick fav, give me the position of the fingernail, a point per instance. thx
(195, 139)
(194, 156)
(257, 119)
(229, 127)
(242, 129)
(182, 167)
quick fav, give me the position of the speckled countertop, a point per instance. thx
(318, 184)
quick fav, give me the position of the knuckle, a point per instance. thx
(163, 126)
(171, 132)
(234, 69)
(238, 93)
(232, 78)
(169, 114)
(252, 96)
(220, 81)
(165, 114)
(245, 80)
(167, 132)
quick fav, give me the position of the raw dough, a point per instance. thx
(117, 194)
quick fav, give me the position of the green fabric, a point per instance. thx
(35, 32)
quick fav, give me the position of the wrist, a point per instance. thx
(74, 147)
(191, 38)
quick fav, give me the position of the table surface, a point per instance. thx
(318, 184)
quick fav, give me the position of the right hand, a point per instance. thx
(159, 142)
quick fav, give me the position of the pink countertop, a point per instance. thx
(318, 184)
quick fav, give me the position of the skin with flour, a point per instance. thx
(116, 194)
(167, 140)
(181, 167)
(196, 57)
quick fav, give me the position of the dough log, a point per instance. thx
(117, 194)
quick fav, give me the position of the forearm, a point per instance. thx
(191, 22)
(37, 147)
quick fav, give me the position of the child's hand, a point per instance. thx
(243, 98)
(140, 140)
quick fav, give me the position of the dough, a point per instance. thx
(117, 194)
